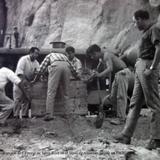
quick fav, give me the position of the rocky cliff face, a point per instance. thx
(76, 22)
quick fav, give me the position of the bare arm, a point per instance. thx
(156, 59)
(109, 68)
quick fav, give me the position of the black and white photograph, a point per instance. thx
(79, 80)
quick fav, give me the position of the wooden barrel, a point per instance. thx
(39, 90)
(39, 94)
(76, 103)
(77, 100)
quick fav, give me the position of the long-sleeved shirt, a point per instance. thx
(51, 58)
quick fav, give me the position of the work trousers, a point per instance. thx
(124, 80)
(21, 103)
(59, 75)
(6, 107)
(145, 90)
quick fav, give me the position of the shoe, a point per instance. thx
(122, 139)
(117, 121)
(48, 118)
(99, 120)
(153, 144)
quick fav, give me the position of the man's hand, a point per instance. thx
(98, 75)
(36, 78)
(147, 72)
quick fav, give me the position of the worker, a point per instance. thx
(70, 51)
(6, 104)
(25, 70)
(146, 81)
(122, 86)
(59, 71)
(112, 63)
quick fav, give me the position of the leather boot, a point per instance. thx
(120, 138)
(118, 121)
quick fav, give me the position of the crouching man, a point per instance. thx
(7, 104)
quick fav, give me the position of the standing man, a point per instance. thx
(146, 81)
(7, 104)
(59, 69)
(16, 37)
(26, 68)
(70, 51)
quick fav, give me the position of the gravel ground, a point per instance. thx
(77, 140)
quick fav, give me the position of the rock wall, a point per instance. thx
(2, 21)
(76, 22)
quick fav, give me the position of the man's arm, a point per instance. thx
(109, 68)
(21, 67)
(156, 59)
(155, 38)
(42, 69)
(155, 62)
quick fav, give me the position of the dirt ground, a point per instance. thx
(76, 139)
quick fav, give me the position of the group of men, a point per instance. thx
(143, 80)
(28, 71)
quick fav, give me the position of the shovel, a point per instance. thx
(100, 117)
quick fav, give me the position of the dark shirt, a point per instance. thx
(149, 39)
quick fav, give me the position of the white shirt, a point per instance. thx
(27, 67)
(7, 75)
